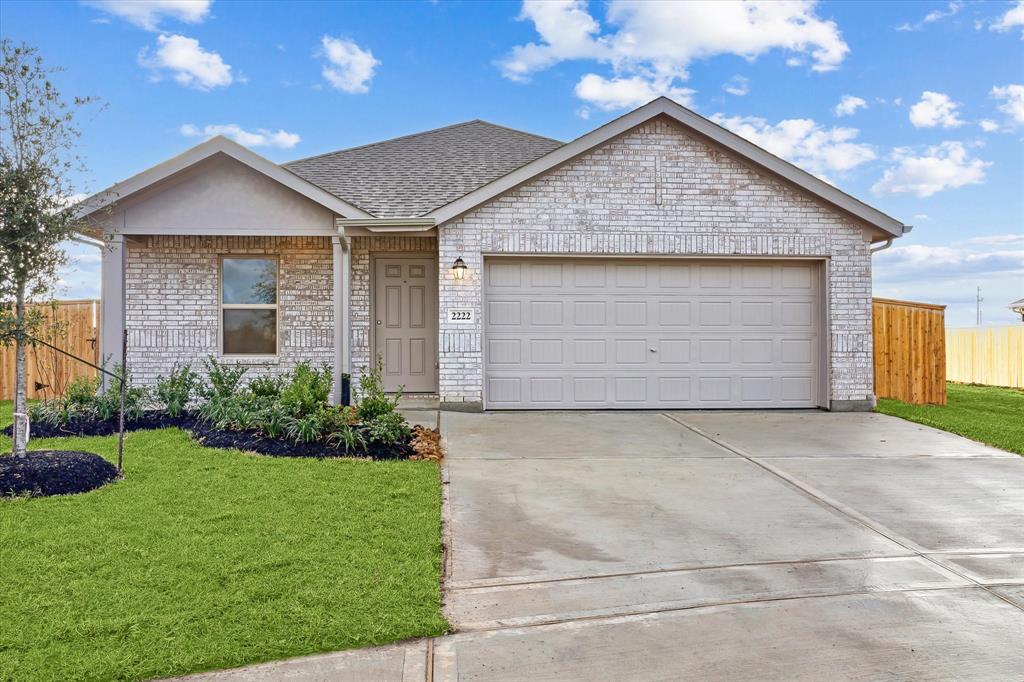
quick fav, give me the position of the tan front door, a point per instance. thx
(405, 322)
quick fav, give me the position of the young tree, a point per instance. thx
(37, 154)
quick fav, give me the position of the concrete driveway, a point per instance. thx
(719, 546)
(729, 545)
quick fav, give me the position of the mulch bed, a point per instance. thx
(205, 434)
(54, 472)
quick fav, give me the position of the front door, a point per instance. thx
(405, 322)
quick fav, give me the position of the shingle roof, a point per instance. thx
(413, 175)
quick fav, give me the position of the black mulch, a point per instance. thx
(249, 441)
(254, 441)
(54, 472)
(107, 427)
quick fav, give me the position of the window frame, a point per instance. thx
(222, 306)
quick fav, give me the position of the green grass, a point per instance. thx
(983, 413)
(203, 558)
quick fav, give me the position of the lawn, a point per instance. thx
(203, 558)
(984, 413)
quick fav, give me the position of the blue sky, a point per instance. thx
(916, 108)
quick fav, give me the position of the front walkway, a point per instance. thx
(700, 545)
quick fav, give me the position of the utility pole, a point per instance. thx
(977, 308)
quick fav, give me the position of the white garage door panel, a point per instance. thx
(611, 333)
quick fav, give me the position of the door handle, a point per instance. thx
(653, 350)
(378, 321)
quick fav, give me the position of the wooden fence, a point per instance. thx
(910, 351)
(71, 325)
(986, 355)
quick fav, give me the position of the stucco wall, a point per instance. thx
(172, 308)
(362, 249)
(216, 196)
(658, 190)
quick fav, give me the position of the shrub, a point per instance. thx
(264, 386)
(389, 428)
(373, 401)
(222, 379)
(307, 390)
(178, 389)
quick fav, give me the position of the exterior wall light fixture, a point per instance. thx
(459, 268)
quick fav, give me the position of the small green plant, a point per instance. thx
(222, 379)
(307, 390)
(178, 389)
(304, 429)
(389, 428)
(348, 437)
(271, 421)
(373, 401)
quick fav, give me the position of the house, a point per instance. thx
(659, 261)
(1018, 308)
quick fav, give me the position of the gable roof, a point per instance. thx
(211, 147)
(692, 121)
(416, 174)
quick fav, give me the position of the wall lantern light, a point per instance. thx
(459, 268)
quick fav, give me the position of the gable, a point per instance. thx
(883, 226)
(660, 177)
(218, 195)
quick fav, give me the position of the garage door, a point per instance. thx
(584, 333)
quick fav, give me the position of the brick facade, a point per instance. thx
(172, 309)
(654, 190)
(661, 191)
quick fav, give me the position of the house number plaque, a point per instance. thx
(461, 315)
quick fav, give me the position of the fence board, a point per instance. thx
(993, 356)
(49, 372)
(909, 351)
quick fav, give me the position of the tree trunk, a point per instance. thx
(20, 381)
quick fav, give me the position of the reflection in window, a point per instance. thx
(249, 306)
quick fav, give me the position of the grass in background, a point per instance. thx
(988, 414)
(202, 559)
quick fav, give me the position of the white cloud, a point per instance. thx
(933, 16)
(935, 109)
(1013, 18)
(626, 93)
(849, 105)
(988, 125)
(148, 14)
(803, 142)
(1011, 101)
(962, 258)
(567, 31)
(188, 63)
(921, 216)
(737, 85)
(349, 68)
(944, 166)
(261, 137)
(656, 41)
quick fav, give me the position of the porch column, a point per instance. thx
(112, 303)
(342, 298)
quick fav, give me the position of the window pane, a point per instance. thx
(250, 280)
(250, 332)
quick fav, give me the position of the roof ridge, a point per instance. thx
(419, 134)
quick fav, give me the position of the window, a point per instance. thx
(248, 306)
